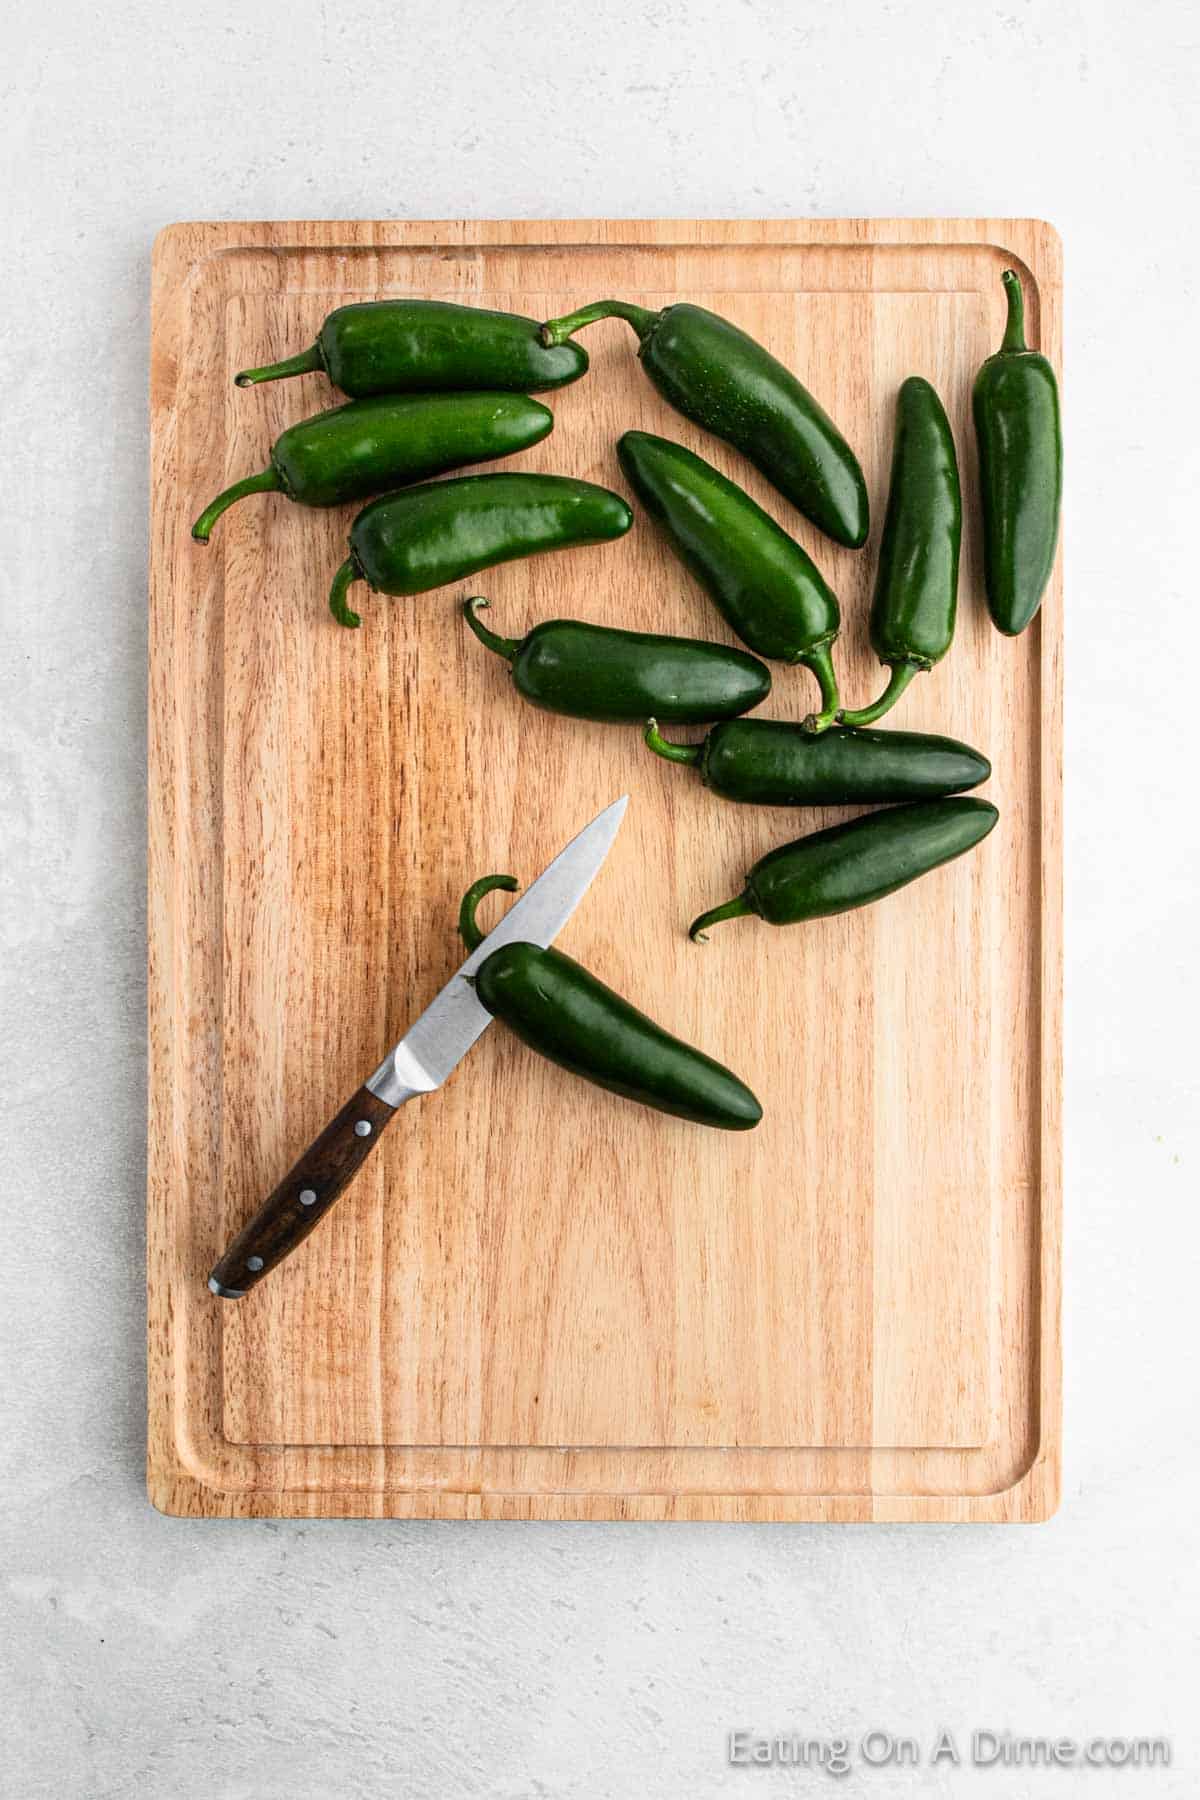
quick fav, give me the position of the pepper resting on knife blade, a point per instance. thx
(564, 1013)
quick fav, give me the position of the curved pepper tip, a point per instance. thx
(819, 659)
(468, 926)
(505, 647)
(266, 481)
(901, 674)
(736, 908)
(557, 331)
(661, 746)
(338, 604)
(308, 362)
(815, 723)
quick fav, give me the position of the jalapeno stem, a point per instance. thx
(732, 909)
(902, 673)
(1014, 330)
(661, 746)
(557, 331)
(468, 928)
(819, 660)
(267, 482)
(345, 577)
(505, 647)
(309, 362)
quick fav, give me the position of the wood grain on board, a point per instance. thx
(538, 1301)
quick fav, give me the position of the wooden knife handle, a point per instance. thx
(304, 1196)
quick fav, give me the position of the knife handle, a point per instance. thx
(304, 1195)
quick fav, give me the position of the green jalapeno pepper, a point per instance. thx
(369, 446)
(768, 588)
(616, 677)
(850, 865)
(559, 1009)
(417, 346)
(718, 376)
(425, 537)
(772, 762)
(1019, 433)
(916, 584)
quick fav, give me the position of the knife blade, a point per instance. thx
(425, 1056)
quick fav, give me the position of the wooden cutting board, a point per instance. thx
(539, 1301)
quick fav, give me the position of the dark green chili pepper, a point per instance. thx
(617, 677)
(369, 446)
(916, 584)
(850, 865)
(416, 346)
(768, 588)
(772, 762)
(1017, 427)
(425, 537)
(560, 1010)
(722, 379)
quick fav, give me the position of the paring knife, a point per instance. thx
(426, 1054)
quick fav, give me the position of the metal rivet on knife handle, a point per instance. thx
(304, 1195)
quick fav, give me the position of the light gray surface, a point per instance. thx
(148, 1657)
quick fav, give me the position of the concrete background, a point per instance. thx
(148, 1657)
